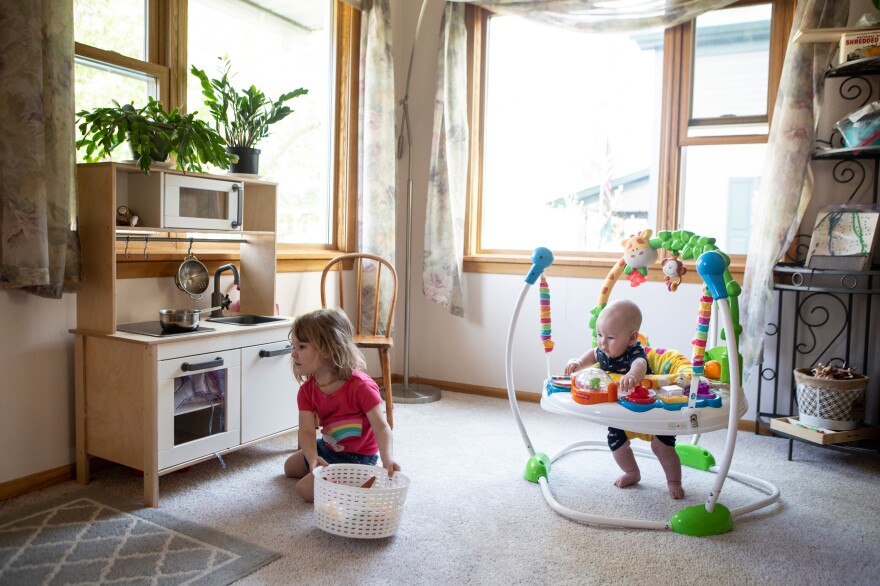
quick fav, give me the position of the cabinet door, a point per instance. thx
(198, 406)
(268, 391)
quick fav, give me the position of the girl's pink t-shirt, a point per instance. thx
(342, 414)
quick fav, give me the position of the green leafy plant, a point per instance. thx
(153, 134)
(241, 117)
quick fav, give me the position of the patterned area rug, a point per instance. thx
(92, 537)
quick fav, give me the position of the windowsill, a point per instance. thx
(585, 267)
(311, 260)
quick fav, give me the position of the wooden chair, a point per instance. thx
(378, 334)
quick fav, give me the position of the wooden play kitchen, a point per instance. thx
(157, 401)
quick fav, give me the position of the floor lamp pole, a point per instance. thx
(407, 392)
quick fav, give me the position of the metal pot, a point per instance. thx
(192, 276)
(181, 320)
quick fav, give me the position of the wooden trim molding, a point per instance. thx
(33, 482)
(583, 267)
(347, 29)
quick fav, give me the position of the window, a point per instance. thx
(276, 46)
(729, 103)
(278, 49)
(609, 134)
(112, 57)
(586, 164)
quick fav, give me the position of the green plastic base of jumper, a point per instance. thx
(695, 456)
(698, 522)
(537, 466)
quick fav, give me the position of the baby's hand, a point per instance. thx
(573, 365)
(627, 382)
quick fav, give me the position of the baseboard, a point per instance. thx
(44, 479)
(48, 478)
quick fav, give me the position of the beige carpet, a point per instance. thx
(472, 519)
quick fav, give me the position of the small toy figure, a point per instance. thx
(639, 255)
(125, 217)
(673, 269)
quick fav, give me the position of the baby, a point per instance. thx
(619, 351)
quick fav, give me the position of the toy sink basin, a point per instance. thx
(246, 319)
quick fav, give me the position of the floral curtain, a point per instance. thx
(786, 184)
(376, 139)
(449, 151)
(447, 181)
(38, 250)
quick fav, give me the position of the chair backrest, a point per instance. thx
(376, 281)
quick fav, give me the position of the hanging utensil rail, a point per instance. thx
(132, 238)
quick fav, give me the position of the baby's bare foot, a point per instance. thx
(675, 489)
(628, 479)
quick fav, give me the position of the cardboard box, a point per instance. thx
(790, 426)
(859, 45)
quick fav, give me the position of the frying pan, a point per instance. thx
(181, 320)
(192, 277)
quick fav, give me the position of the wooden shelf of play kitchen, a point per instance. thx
(789, 426)
(102, 187)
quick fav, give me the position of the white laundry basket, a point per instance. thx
(342, 507)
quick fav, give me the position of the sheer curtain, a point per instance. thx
(442, 276)
(786, 184)
(376, 140)
(447, 177)
(38, 250)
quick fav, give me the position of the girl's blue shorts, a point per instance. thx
(334, 457)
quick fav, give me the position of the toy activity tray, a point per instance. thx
(658, 418)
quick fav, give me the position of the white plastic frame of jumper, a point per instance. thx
(712, 518)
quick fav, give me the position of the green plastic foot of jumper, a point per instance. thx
(537, 466)
(698, 522)
(695, 456)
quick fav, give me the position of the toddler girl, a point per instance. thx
(336, 396)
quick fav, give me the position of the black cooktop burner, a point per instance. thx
(154, 328)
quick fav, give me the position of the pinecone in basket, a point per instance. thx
(833, 372)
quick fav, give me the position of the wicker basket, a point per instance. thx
(342, 507)
(833, 404)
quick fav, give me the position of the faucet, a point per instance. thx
(218, 299)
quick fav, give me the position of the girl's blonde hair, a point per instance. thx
(331, 333)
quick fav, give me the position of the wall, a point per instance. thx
(36, 390)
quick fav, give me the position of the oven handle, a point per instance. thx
(270, 353)
(240, 189)
(187, 367)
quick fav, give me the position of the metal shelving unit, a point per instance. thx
(822, 316)
(828, 315)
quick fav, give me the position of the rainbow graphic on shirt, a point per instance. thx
(341, 430)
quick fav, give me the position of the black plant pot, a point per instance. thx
(158, 150)
(248, 160)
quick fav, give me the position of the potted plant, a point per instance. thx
(830, 396)
(242, 117)
(153, 134)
